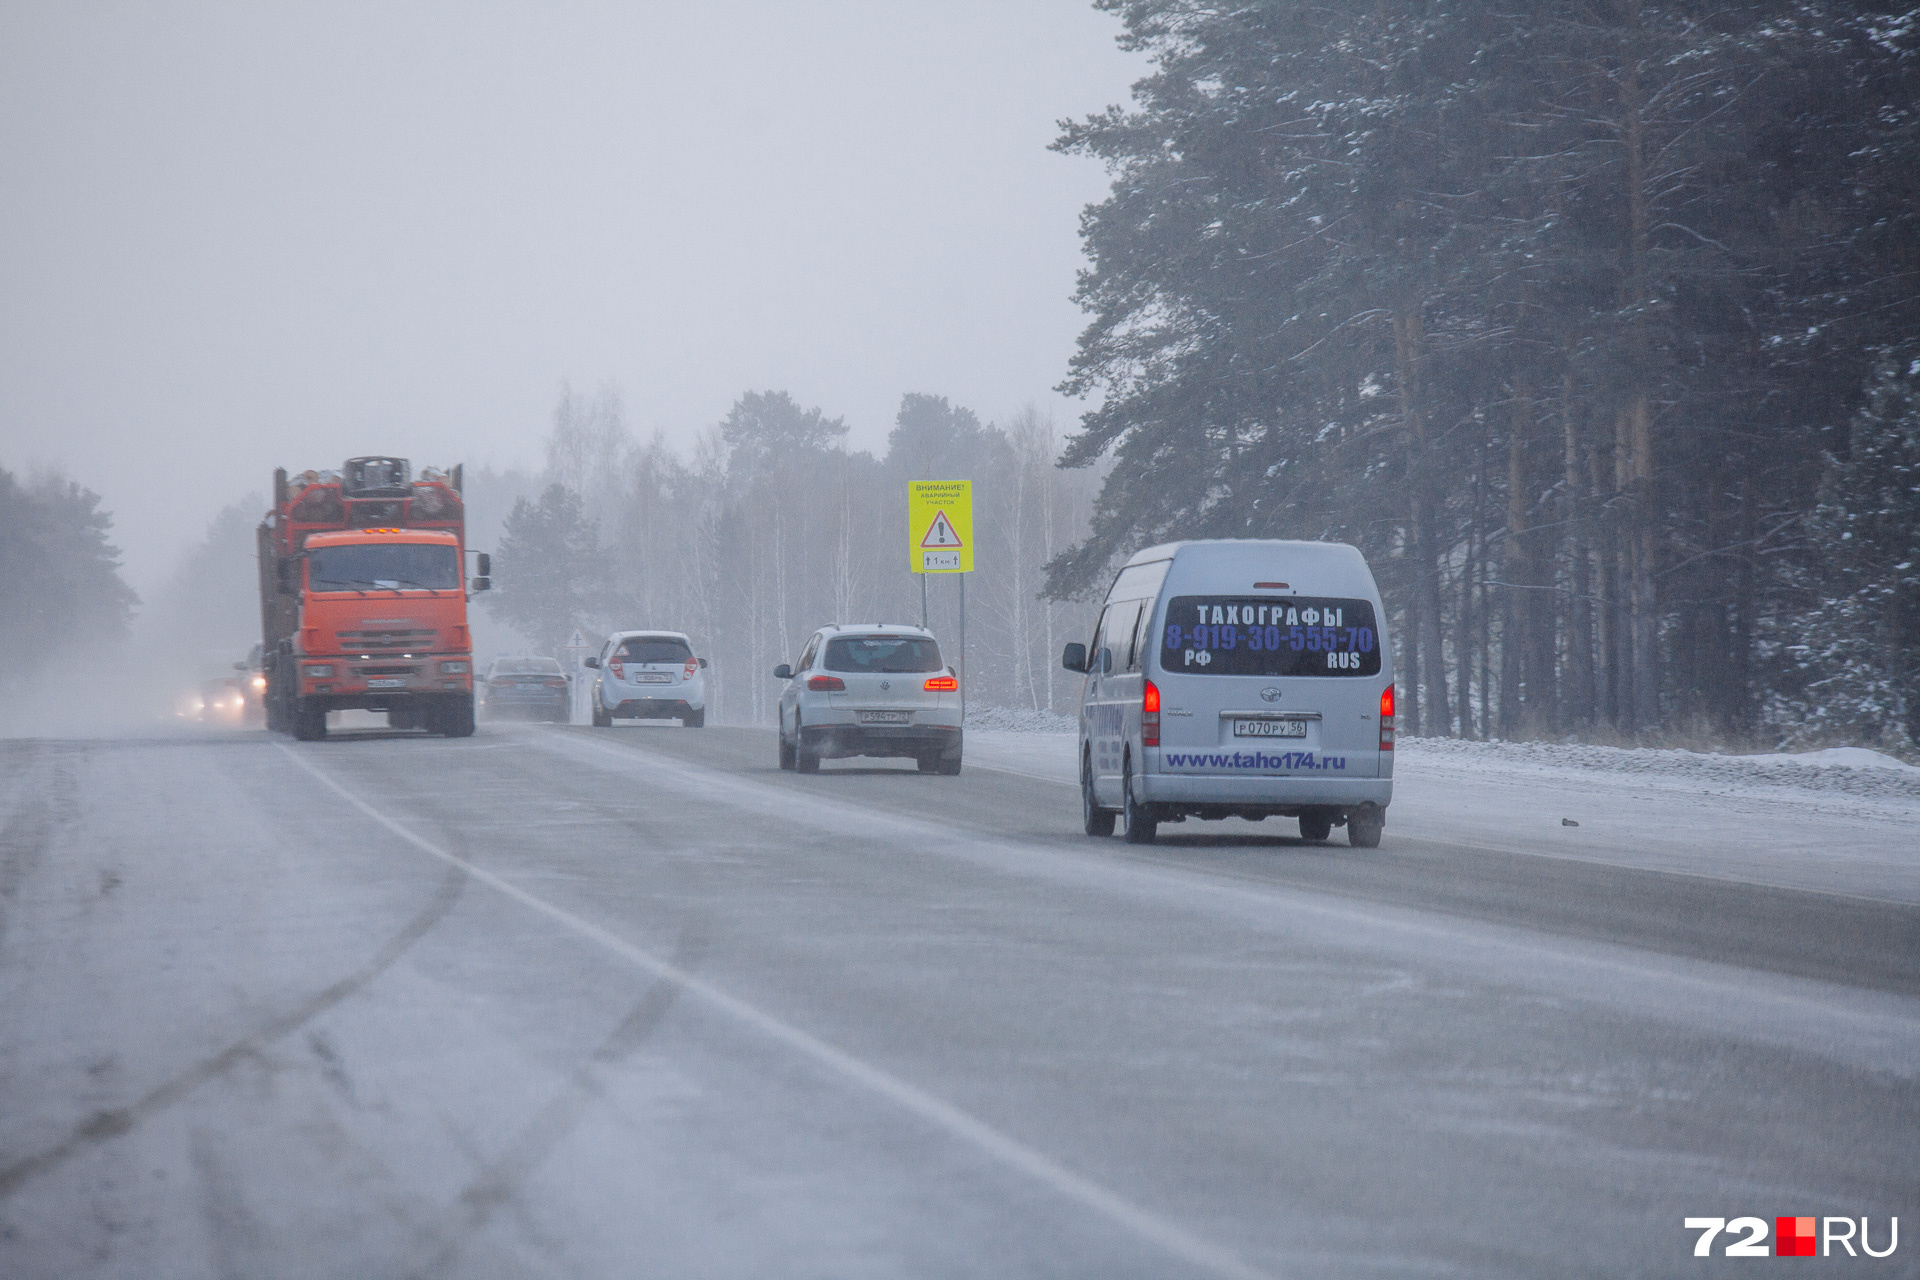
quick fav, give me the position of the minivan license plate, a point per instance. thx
(883, 717)
(1269, 728)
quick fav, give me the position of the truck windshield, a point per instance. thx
(386, 566)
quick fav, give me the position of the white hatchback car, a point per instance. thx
(870, 690)
(649, 675)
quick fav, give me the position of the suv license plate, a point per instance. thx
(1269, 728)
(884, 717)
(385, 682)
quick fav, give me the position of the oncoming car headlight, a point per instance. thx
(317, 671)
(454, 668)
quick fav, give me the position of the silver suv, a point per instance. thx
(870, 690)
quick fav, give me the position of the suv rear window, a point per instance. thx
(1250, 636)
(655, 650)
(882, 653)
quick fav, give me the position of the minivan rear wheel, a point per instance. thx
(1316, 824)
(1142, 825)
(1364, 827)
(1096, 821)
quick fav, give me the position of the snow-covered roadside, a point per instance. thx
(1775, 820)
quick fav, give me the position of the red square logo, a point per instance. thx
(1795, 1237)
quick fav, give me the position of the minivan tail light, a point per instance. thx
(941, 684)
(1386, 718)
(827, 684)
(1150, 715)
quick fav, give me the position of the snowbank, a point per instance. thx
(1849, 770)
(1019, 720)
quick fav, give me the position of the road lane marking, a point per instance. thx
(1149, 1226)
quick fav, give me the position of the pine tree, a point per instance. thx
(1858, 649)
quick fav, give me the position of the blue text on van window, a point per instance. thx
(1218, 635)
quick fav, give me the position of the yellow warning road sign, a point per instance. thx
(940, 526)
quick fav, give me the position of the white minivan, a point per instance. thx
(1238, 678)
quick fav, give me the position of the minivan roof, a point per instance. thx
(1302, 567)
(1167, 550)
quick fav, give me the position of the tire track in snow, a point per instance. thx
(104, 1126)
(1170, 1238)
(500, 1181)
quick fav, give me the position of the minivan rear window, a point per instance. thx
(882, 653)
(1250, 636)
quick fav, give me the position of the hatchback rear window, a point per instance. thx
(882, 653)
(1249, 636)
(655, 651)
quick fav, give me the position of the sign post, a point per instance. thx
(940, 540)
(577, 650)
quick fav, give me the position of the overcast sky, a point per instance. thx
(247, 235)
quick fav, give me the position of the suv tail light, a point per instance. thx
(941, 684)
(1150, 715)
(826, 684)
(1386, 718)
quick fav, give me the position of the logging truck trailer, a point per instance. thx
(363, 598)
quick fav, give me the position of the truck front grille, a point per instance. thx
(386, 671)
(366, 641)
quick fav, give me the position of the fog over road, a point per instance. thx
(575, 1002)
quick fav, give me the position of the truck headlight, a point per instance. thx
(318, 671)
(454, 668)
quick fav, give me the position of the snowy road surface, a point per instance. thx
(559, 1001)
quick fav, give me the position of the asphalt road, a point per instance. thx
(632, 1002)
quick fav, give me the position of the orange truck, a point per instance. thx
(363, 598)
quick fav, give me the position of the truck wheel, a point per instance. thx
(309, 723)
(1095, 820)
(1364, 827)
(456, 717)
(1142, 825)
(1316, 824)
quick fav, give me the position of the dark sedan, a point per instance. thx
(526, 688)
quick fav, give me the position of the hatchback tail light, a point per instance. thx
(1386, 718)
(1150, 715)
(693, 665)
(827, 684)
(619, 672)
(941, 684)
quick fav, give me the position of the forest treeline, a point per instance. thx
(773, 526)
(60, 585)
(1596, 325)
